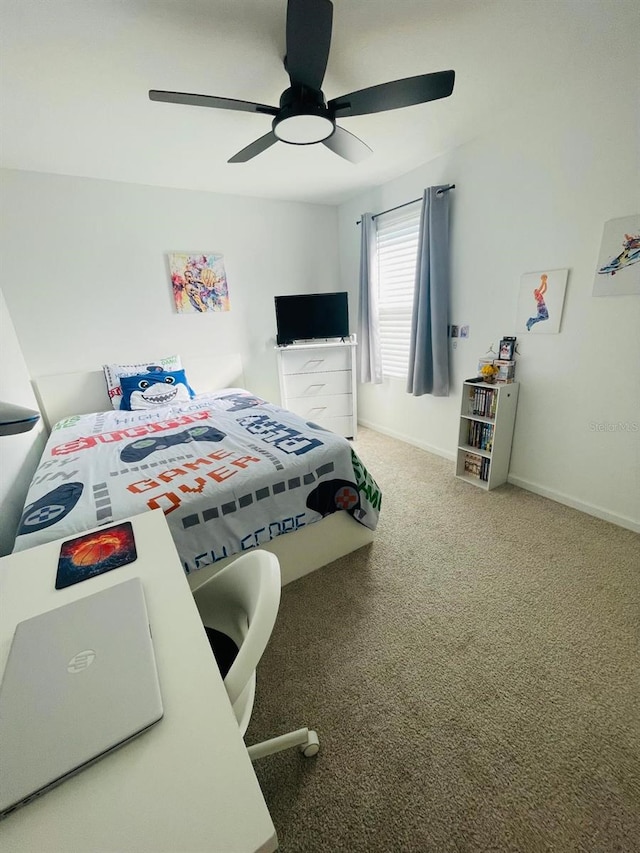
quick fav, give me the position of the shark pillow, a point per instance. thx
(155, 388)
(113, 373)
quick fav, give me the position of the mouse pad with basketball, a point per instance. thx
(94, 553)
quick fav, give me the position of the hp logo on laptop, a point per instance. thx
(81, 661)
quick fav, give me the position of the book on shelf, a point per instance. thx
(480, 435)
(472, 464)
(476, 466)
(483, 402)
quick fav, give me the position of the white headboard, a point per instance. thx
(61, 395)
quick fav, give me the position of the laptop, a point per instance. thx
(80, 681)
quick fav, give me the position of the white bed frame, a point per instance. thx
(62, 395)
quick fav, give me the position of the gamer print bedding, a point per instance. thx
(229, 470)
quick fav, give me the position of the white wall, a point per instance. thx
(533, 192)
(86, 279)
(19, 454)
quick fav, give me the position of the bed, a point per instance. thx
(230, 470)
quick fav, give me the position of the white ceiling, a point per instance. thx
(75, 76)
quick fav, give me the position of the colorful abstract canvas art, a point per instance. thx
(540, 302)
(199, 282)
(618, 268)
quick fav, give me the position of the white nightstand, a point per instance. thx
(187, 783)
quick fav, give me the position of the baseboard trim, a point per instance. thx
(583, 506)
(409, 440)
(536, 488)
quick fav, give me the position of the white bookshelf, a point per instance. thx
(487, 418)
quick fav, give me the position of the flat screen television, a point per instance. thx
(310, 316)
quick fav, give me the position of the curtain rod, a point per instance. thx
(413, 201)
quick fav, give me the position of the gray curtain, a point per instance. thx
(429, 353)
(369, 360)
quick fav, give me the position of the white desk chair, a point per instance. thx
(238, 607)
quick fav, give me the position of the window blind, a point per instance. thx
(397, 252)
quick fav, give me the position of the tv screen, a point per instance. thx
(310, 316)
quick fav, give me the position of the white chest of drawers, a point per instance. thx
(318, 382)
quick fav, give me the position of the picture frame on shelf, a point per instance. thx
(507, 349)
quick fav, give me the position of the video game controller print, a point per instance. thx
(333, 495)
(238, 402)
(143, 447)
(50, 508)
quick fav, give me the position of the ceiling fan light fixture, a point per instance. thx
(304, 117)
(303, 129)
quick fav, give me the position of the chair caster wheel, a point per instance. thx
(311, 747)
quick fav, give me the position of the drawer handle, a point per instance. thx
(313, 361)
(318, 385)
(317, 409)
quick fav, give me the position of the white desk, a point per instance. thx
(187, 784)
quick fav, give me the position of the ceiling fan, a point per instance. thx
(304, 117)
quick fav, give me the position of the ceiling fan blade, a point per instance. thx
(308, 41)
(211, 101)
(391, 96)
(347, 145)
(256, 147)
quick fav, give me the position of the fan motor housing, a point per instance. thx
(303, 117)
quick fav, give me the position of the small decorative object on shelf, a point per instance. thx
(487, 417)
(499, 367)
(507, 348)
(506, 370)
(489, 373)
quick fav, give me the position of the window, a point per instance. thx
(397, 252)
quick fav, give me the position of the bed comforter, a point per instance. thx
(229, 470)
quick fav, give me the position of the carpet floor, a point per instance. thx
(473, 675)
